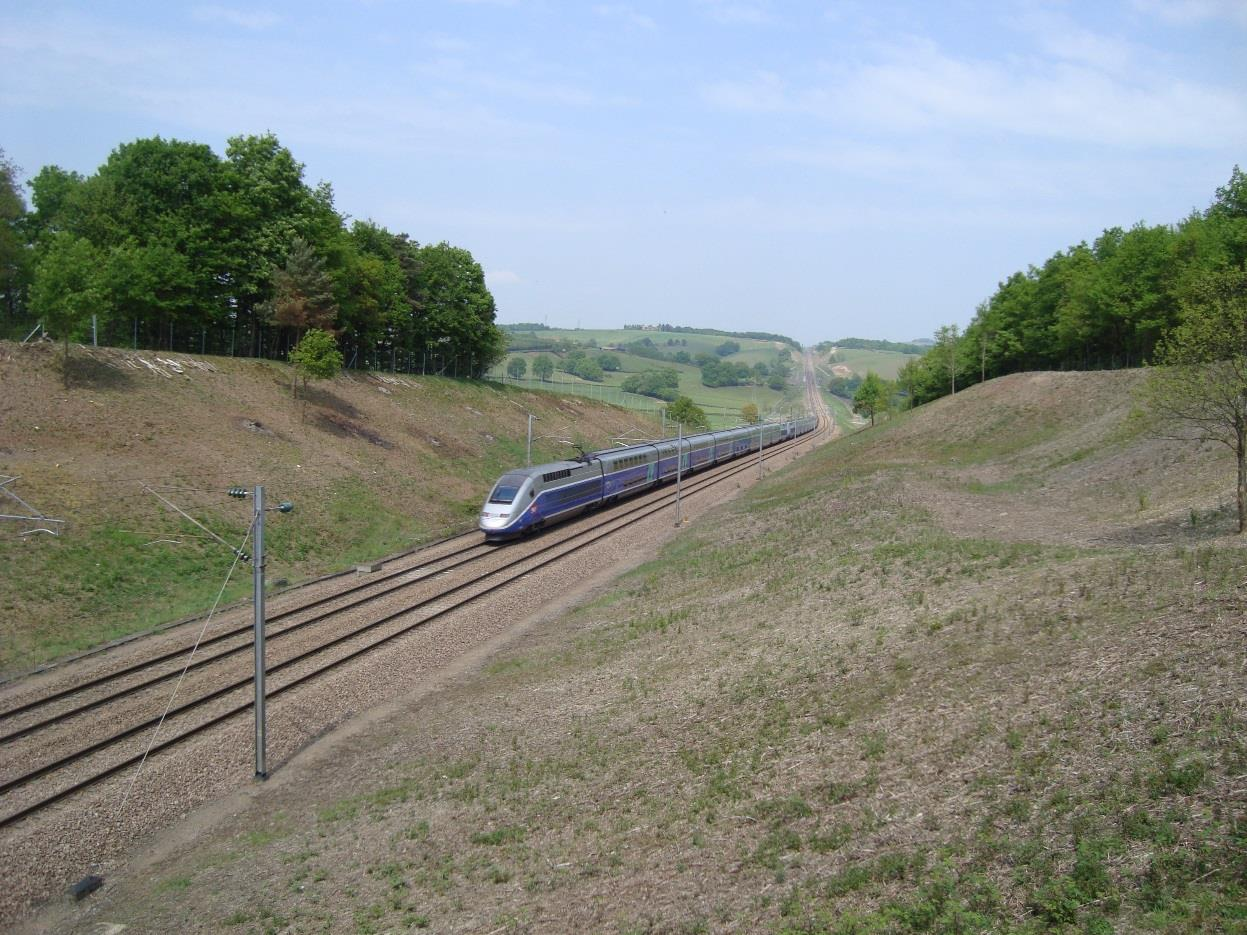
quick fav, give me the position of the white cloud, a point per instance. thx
(1063, 39)
(246, 19)
(914, 86)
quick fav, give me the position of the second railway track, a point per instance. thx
(46, 760)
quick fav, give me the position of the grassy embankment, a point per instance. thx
(979, 669)
(373, 466)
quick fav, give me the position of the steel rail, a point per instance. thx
(240, 630)
(588, 536)
(208, 660)
(243, 629)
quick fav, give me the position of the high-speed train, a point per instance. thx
(526, 499)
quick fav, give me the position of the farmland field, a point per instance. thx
(721, 404)
(885, 363)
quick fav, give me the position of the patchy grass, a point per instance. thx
(374, 466)
(834, 709)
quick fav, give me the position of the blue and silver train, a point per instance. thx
(527, 499)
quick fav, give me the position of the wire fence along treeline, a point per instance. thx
(168, 246)
(1101, 305)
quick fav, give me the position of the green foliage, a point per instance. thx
(644, 347)
(1199, 393)
(1108, 303)
(525, 326)
(579, 364)
(15, 260)
(302, 293)
(749, 413)
(750, 335)
(660, 384)
(66, 292)
(725, 373)
(868, 344)
(871, 397)
(458, 307)
(239, 255)
(517, 367)
(687, 412)
(844, 387)
(316, 356)
(543, 366)
(499, 836)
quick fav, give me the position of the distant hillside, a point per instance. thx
(870, 344)
(374, 464)
(752, 335)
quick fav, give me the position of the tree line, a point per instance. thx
(873, 344)
(170, 246)
(1099, 305)
(688, 329)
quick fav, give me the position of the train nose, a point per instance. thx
(495, 519)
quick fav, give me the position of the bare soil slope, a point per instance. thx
(373, 463)
(977, 670)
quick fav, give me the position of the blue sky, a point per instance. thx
(817, 169)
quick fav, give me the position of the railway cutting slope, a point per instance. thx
(375, 465)
(979, 668)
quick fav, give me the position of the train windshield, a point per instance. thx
(507, 488)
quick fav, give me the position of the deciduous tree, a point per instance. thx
(66, 290)
(316, 356)
(1199, 390)
(871, 397)
(543, 367)
(15, 256)
(517, 367)
(687, 412)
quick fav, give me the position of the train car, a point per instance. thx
(700, 450)
(531, 498)
(628, 470)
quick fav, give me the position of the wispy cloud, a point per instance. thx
(255, 20)
(1188, 12)
(730, 12)
(464, 74)
(914, 86)
(626, 14)
(1060, 38)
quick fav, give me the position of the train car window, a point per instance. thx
(507, 487)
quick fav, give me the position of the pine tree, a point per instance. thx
(302, 292)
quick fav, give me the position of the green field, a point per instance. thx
(751, 349)
(721, 404)
(885, 363)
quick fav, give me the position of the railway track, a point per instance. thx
(315, 637)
